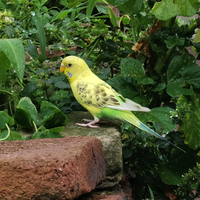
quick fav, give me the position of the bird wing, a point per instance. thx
(103, 96)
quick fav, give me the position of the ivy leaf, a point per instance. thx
(46, 134)
(51, 116)
(26, 113)
(165, 10)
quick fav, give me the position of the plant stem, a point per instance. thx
(6, 92)
(6, 135)
(95, 44)
(36, 130)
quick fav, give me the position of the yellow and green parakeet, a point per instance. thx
(99, 98)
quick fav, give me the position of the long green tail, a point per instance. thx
(132, 119)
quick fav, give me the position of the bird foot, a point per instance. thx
(87, 125)
(90, 124)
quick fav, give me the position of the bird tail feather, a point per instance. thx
(130, 118)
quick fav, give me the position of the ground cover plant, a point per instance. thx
(142, 53)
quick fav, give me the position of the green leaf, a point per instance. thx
(117, 2)
(62, 85)
(26, 113)
(51, 116)
(3, 120)
(159, 87)
(102, 9)
(124, 87)
(190, 124)
(132, 67)
(90, 7)
(188, 8)
(32, 50)
(5, 65)
(14, 50)
(165, 10)
(15, 135)
(175, 89)
(64, 13)
(46, 134)
(161, 115)
(179, 64)
(103, 73)
(3, 134)
(2, 5)
(192, 75)
(146, 81)
(170, 176)
(172, 172)
(173, 41)
(128, 6)
(74, 3)
(175, 65)
(41, 33)
(112, 17)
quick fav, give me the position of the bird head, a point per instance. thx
(73, 66)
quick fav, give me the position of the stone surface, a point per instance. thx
(115, 193)
(110, 137)
(50, 168)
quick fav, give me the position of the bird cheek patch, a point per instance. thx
(69, 74)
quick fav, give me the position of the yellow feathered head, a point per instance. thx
(73, 66)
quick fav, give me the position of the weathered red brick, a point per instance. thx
(63, 168)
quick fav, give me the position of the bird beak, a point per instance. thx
(62, 67)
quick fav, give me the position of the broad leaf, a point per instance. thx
(132, 67)
(175, 89)
(15, 135)
(173, 41)
(51, 116)
(190, 124)
(165, 10)
(178, 64)
(26, 113)
(14, 50)
(188, 8)
(3, 120)
(5, 65)
(161, 115)
(46, 134)
(124, 87)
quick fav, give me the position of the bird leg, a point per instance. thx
(90, 124)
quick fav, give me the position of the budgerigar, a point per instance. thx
(99, 98)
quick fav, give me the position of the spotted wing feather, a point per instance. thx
(99, 96)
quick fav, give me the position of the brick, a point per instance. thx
(63, 168)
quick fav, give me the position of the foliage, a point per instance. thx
(190, 184)
(142, 54)
(26, 116)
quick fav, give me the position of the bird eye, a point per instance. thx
(69, 65)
